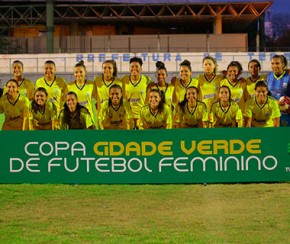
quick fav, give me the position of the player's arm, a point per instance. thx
(30, 90)
(26, 108)
(101, 116)
(169, 119)
(130, 124)
(276, 122)
(239, 118)
(205, 116)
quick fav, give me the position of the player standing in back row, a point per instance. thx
(135, 86)
(54, 85)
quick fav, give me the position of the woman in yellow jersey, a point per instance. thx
(74, 116)
(208, 83)
(225, 112)
(254, 67)
(156, 114)
(191, 113)
(115, 113)
(85, 89)
(135, 86)
(15, 108)
(262, 110)
(237, 86)
(161, 84)
(54, 85)
(42, 112)
(26, 87)
(106, 80)
(183, 82)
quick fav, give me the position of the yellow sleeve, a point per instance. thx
(102, 115)
(248, 110)
(169, 117)
(1, 105)
(239, 118)
(31, 90)
(204, 113)
(140, 120)
(275, 111)
(89, 121)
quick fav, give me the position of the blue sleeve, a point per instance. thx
(286, 90)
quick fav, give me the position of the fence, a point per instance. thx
(126, 43)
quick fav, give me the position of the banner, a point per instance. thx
(220, 155)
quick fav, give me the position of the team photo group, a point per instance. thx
(136, 101)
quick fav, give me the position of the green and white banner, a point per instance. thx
(152, 156)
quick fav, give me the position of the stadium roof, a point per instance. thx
(237, 16)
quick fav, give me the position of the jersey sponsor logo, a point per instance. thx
(116, 122)
(14, 118)
(134, 100)
(209, 96)
(84, 103)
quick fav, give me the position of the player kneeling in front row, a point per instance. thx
(74, 115)
(191, 113)
(115, 113)
(43, 112)
(262, 110)
(225, 112)
(156, 114)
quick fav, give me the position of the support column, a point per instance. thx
(218, 25)
(262, 39)
(49, 26)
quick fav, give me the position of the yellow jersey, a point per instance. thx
(189, 118)
(238, 91)
(179, 89)
(111, 117)
(102, 88)
(167, 90)
(157, 120)
(16, 114)
(85, 94)
(262, 116)
(135, 93)
(251, 85)
(56, 91)
(84, 121)
(226, 117)
(208, 89)
(26, 88)
(42, 120)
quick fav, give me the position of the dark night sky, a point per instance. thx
(281, 6)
